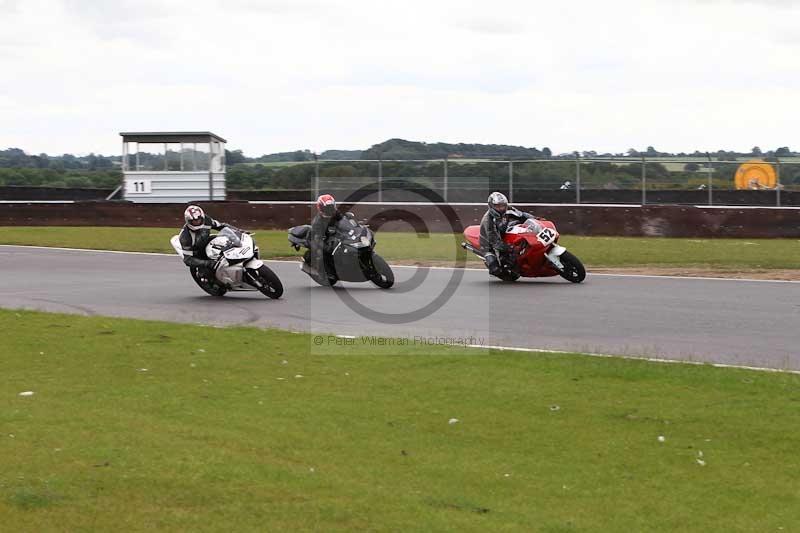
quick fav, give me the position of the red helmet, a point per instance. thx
(326, 205)
(194, 216)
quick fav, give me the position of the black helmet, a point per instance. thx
(498, 203)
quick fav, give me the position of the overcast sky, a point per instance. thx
(276, 75)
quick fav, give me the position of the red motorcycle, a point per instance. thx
(535, 252)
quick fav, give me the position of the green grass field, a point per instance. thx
(147, 426)
(724, 254)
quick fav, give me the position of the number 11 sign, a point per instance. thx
(138, 187)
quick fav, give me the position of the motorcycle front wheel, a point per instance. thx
(574, 270)
(271, 286)
(382, 276)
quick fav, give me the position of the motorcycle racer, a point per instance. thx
(195, 236)
(494, 225)
(322, 226)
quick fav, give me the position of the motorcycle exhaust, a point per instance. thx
(468, 246)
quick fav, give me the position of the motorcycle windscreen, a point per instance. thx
(233, 237)
(349, 229)
(225, 240)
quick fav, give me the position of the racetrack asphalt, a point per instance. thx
(751, 323)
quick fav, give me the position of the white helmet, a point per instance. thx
(194, 217)
(498, 203)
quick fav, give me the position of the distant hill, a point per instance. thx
(297, 155)
(341, 154)
(402, 149)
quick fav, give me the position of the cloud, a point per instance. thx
(279, 7)
(9, 6)
(494, 26)
(280, 75)
(764, 3)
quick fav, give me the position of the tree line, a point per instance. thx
(244, 173)
(544, 174)
(17, 158)
(67, 170)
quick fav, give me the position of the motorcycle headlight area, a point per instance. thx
(361, 243)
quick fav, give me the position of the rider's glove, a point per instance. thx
(503, 248)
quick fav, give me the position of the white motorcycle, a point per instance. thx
(238, 267)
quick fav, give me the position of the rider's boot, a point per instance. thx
(493, 264)
(206, 270)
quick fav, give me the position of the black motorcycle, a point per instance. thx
(349, 255)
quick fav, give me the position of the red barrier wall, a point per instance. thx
(661, 221)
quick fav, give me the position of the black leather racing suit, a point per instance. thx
(493, 227)
(321, 229)
(194, 243)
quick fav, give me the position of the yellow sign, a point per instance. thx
(756, 174)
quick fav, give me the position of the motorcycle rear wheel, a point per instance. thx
(322, 279)
(574, 270)
(508, 276)
(211, 287)
(328, 281)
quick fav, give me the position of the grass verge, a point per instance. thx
(720, 254)
(142, 426)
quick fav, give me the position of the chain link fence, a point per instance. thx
(628, 180)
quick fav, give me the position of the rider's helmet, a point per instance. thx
(195, 217)
(498, 203)
(326, 205)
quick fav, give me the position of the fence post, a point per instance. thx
(210, 170)
(380, 177)
(644, 181)
(778, 183)
(316, 177)
(445, 179)
(577, 177)
(511, 181)
(210, 183)
(710, 179)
